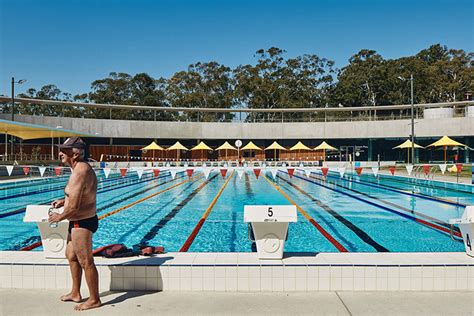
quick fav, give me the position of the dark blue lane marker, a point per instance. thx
(162, 223)
(359, 232)
(401, 192)
(436, 227)
(433, 219)
(111, 187)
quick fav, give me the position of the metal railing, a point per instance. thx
(190, 114)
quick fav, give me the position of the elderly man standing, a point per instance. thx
(80, 209)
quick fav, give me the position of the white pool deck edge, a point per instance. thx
(233, 272)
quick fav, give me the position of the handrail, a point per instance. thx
(4, 99)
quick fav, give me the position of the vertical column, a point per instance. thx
(467, 151)
(369, 150)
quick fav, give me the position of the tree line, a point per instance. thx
(275, 81)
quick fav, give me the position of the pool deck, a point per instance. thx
(244, 272)
(46, 302)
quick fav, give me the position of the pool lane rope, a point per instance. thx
(187, 244)
(356, 230)
(323, 232)
(417, 220)
(37, 244)
(421, 215)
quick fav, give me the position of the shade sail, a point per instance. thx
(31, 131)
(407, 144)
(300, 146)
(226, 146)
(275, 146)
(445, 141)
(251, 146)
(201, 146)
(153, 146)
(324, 146)
(177, 146)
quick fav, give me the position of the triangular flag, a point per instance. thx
(426, 169)
(274, 172)
(167, 164)
(106, 172)
(325, 171)
(392, 170)
(341, 170)
(307, 172)
(204, 164)
(42, 170)
(26, 170)
(156, 172)
(375, 171)
(257, 172)
(173, 173)
(189, 172)
(206, 172)
(358, 170)
(409, 169)
(58, 171)
(240, 172)
(301, 165)
(290, 171)
(443, 167)
(123, 171)
(9, 170)
(223, 173)
(140, 173)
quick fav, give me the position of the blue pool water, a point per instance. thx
(362, 214)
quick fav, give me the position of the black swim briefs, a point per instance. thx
(91, 223)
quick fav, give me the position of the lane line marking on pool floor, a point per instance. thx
(388, 188)
(153, 231)
(328, 236)
(417, 220)
(37, 244)
(356, 230)
(433, 219)
(105, 189)
(187, 244)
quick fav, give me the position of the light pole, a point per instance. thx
(13, 95)
(13, 109)
(412, 137)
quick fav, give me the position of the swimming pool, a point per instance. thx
(199, 214)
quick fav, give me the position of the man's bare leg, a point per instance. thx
(76, 274)
(82, 243)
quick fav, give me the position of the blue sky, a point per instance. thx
(70, 43)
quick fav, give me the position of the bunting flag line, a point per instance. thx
(206, 172)
(42, 170)
(342, 170)
(26, 170)
(139, 173)
(290, 171)
(409, 169)
(375, 171)
(9, 170)
(123, 171)
(443, 167)
(307, 172)
(173, 173)
(190, 172)
(256, 171)
(223, 173)
(426, 169)
(358, 170)
(58, 171)
(240, 172)
(274, 172)
(325, 170)
(392, 170)
(106, 172)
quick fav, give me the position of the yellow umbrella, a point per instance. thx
(226, 146)
(177, 146)
(324, 146)
(407, 145)
(251, 146)
(153, 146)
(300, 146)
(201, 146)
(275, 146)
(445, 142)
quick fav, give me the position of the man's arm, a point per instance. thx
(76, 187)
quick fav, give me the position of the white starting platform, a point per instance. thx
(269, 224)
(53, 235)
(466, 226)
